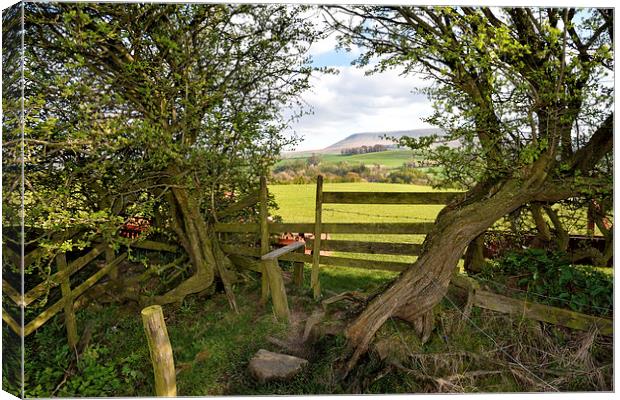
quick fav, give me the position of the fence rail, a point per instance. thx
(405, 228)
(319, 244)
(540, 312)
(410, 198)
(62, 278)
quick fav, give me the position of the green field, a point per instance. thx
(297, 204)
(389, 159)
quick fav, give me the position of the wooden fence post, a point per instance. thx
(316, 249)
(109, 257)
(65, 288)
(161, 351)
(278, 292)
(264, 238)
(298, 271)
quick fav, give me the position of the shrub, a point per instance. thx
(549, 278)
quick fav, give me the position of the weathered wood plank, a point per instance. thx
(353, 246)
(273, 255)
(56, 307)
(109, 257)
(539, 312)
(160, 350)
(29, 258)
(69, 311)
(11, 292)
(55, 279)
(278, 291)
(411, 228)
(12, 323)
(298, 257)
(389, 197)
(155, 246)
(315, 283)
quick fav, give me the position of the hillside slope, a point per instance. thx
(373, 138)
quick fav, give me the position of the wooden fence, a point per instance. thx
(268, 267)
(317, 228)
(62, 278)
(480, 298)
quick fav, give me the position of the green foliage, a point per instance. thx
(126, 102)
(549, 278)
(511, 85)
(95, 377)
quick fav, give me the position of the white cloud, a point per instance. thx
(352, 102)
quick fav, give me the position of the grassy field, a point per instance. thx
(389, 159)
(296, 204)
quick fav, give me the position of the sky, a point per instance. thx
(351, 102)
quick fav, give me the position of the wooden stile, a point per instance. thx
(273, 255)
(160, 350)
(316, 255)
(269, 263)
(325, 260)
(67, 296)
(277, 289)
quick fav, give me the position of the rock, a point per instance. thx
(267, 366)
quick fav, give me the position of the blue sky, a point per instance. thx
(351, 102)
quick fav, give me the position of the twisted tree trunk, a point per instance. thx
(413, 295)
(200, 245)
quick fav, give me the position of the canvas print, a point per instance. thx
(232, 199)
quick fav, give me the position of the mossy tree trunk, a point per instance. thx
(413, 295)
(193, 234)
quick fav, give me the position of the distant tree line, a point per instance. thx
(363, 149)
(301, 171)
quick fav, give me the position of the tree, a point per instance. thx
(513, 85)
(154, 108)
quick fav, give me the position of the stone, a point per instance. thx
(266, 366)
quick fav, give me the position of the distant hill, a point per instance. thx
(364, 139)
(372, 138)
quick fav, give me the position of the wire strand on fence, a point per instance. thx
(380, 215)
